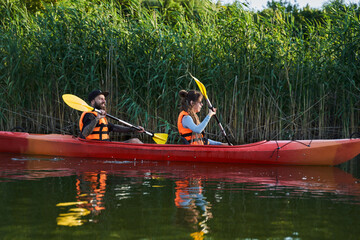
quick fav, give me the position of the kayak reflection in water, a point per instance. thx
(189, 126)
(90, 192)
(94, 126)
(191, 203)
(91, 187)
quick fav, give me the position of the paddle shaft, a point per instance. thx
(218, 121)
(125, 123)
(203, 91)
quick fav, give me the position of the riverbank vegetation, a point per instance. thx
(279, 73)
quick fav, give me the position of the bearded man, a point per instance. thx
(94, 126)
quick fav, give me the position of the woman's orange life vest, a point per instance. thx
(188, 134)
(187, 191)
(101, 130)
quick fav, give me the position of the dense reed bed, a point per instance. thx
(269, 76)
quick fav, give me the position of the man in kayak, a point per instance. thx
(189, 125)
(94, 126)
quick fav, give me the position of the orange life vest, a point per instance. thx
(101, 130)
(187, 191)
(188, 134)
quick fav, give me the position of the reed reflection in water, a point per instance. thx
(137, 200)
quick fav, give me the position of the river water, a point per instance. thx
(64, 198)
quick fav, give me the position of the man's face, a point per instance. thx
(99, 102)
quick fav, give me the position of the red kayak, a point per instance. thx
(301, 152)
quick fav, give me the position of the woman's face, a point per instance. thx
(197, 105)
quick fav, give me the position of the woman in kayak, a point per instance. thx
(189, 125)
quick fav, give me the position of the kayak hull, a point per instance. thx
(302, 152)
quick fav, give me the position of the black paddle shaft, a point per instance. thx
(123, 122)
(221, 127)
(126, 123)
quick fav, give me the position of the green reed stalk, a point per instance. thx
(268, 76)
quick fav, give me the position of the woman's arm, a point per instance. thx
(188, 122)
(212, 142)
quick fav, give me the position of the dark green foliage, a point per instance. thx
(279, 73)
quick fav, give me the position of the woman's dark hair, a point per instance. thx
(186, 98)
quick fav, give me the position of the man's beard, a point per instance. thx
(97, 106)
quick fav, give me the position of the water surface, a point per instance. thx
(59, 198)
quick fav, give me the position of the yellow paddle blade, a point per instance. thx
(76, 103)
(160, 138)
(65, 204)
(201, 86)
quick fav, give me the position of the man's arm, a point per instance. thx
(120, 129)
(89, 122)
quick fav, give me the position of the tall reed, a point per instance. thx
(268, 77)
